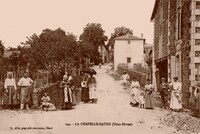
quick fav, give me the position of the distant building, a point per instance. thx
(104, 54)
(128, 50)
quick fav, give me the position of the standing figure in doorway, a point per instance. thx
(164, 87)
(176, 95)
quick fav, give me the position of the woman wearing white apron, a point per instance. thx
(176, 95)
(92, 88)
(134, 92)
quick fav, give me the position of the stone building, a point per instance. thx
(177, 42)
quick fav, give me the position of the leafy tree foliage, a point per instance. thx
(50, 47)
(119, 31)
(1, 48)
(2, 65)
(93, 34)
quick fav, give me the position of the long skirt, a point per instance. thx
(134, 96)
(85, 94)
(78, 95)
(175, 103)
(92, 91)
(11, 96)
(164, 99)
(68, 95)
(25, 95)
(148, 100)
(68, 99)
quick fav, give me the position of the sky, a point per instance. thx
(22, 18)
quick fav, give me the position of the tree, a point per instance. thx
(93, 34)
(1, 48)
(119, 31)
(49, 49)
(2, 65)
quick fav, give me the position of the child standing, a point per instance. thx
(141, 100)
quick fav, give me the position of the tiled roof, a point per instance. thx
(128, 37)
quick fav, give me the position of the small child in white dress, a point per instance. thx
(46, 104)
(141, 100)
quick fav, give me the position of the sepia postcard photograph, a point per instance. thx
(100, 67)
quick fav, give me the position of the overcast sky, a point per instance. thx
(21, 18)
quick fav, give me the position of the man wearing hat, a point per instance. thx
(164, 87)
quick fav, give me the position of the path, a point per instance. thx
(113, 107)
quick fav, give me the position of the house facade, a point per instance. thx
(128, 50)
(104, 54)
(177, 42)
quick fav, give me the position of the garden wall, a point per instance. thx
(141, 77)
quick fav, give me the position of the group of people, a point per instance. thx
(86, 83)
(171, 93)
(11, 95)
(20, 93)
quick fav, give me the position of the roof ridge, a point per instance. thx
(128, 37)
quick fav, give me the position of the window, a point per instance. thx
(128, 59)
(129, 42)
(198, 5)
(178, 66)
(198, 18)
(197, 41)
(197, 53)
(179, 25)
(178, 20)
(197, 68)
(197, 29)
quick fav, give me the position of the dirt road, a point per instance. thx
(112, 114)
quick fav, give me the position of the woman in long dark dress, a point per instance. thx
(85, 97)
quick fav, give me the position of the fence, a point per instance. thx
(141, 77)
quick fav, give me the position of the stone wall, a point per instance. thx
(172, 28)
(185, 50)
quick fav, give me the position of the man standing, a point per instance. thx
(164, 87)
(25, 83)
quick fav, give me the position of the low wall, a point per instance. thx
(141, 77)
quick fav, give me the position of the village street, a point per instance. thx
(113, 107)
